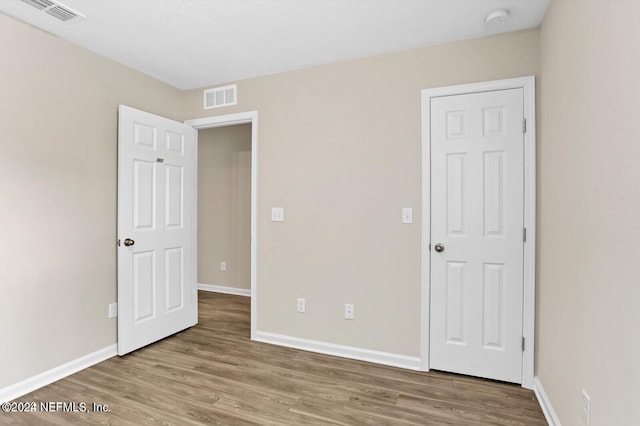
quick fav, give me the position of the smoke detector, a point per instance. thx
(497, 16)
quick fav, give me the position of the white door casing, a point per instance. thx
(248, 117)
(477, 220)
(157, 293)
(473, 319)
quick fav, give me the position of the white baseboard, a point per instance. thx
(225, 290)
(22, 388)
(385, 358)
(545, 403)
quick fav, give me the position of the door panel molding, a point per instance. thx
(528, 86)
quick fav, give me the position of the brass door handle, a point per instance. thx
(439, 247)
(129, 242)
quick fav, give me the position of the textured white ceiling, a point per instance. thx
(196, 43)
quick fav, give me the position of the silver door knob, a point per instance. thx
(129, 242)
(439, 247)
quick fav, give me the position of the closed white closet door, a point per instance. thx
(477, 234)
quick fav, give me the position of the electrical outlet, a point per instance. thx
(223, 266)
(349, 311)
(277, 214)
(586, 407)
(302, 306)
(113, 310)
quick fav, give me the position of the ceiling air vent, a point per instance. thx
(62, 13)
(55, 9)
(220, 97)
(38, 4)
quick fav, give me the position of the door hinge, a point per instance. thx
(523, 344)
(524, 235)
(524, 125)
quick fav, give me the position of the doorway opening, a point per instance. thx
(224, 209)
(234, 126)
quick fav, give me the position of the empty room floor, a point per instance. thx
(214, 374)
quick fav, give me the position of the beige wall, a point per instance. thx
(340, 149)
(58, 130)
(224, 206)
(589, 210)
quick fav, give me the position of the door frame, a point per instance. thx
(529, 293)
(249, 117)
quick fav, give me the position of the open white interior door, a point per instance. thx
(157, 293)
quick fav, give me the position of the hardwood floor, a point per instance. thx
(214, 374)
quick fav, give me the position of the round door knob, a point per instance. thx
(129, 242)
(439, 247)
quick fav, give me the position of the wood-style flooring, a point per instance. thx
(214, 374)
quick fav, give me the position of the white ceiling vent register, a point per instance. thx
(220, 96)
(55, 9)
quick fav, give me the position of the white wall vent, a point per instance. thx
(55, 9)
(220, 96)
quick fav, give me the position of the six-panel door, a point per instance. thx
(156, 172)
(477, 215)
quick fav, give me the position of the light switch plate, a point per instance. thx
(407, 215)
(277, 214)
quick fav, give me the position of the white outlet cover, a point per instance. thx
(301, 305)
(586, 407)
(277, 214)
(112, 310)
(349, 311)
